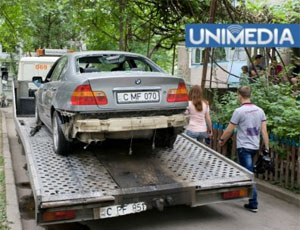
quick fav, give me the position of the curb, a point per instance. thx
(278, 192)
(12, 205)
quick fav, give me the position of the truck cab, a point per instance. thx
(29, 67)
(34, 66)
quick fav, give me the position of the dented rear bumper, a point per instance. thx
(128, 124)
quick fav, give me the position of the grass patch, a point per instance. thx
(3, 218)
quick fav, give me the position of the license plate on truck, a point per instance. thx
(137, 97)
(121, 210)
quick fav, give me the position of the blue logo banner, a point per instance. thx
(242, 35)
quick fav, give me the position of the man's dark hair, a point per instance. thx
(258, 56)
(245, 92)
(244, 67)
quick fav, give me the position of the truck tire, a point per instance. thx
(60, 144)
(165, 138)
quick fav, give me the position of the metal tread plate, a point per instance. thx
(84, 175)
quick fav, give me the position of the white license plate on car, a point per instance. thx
(138, 97)
(121, 210)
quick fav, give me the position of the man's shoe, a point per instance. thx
(250, 208)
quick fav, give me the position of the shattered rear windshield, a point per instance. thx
(113, 62)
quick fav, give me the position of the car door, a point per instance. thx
(51, 87)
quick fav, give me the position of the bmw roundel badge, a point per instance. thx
(138, 81)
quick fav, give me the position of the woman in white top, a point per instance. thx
(200, 125)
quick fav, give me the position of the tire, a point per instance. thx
(38, 120)
(60, 144)
(165, 138)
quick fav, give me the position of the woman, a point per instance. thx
(200, 124)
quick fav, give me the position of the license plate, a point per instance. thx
(138, 97)
(121, 210)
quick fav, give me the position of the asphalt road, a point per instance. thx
(273, 213)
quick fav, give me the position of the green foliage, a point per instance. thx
(149, 27)
(278, 101)
(286, 12)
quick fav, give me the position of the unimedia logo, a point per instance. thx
(242, 35)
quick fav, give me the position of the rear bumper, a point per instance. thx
(128, 124)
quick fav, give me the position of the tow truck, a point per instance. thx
(104, 181)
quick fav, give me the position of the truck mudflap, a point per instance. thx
(104, 181)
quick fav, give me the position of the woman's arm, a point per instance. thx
(187, 111)
(208, 122)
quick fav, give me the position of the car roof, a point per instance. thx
(83, 53)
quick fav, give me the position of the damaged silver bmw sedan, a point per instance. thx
(98, 95)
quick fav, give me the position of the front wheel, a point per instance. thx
(38, 120)
(60, 144)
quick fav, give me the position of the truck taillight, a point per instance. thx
(59, 215)
(83, 95)
(179, 94)
(235, 194)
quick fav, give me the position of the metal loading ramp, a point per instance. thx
(107, 173)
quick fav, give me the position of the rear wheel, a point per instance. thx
(60, 144)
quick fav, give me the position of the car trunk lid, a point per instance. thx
(140, 91)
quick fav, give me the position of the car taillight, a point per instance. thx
(101, 98)
(83, 95)
(235, 194)
(59, 215)
(179, 94)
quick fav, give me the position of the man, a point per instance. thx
(256, 69)
(250, 121)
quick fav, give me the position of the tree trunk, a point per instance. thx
(121, 28)
(207, 50)
(174, 56)
(149, 40)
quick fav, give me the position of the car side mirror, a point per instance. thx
(37, 79)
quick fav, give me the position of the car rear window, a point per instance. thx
(113, 62)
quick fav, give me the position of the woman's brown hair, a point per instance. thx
(195, 95)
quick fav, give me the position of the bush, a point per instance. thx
(278, 101)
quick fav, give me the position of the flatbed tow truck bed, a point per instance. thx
(104, 181)
(104, 176)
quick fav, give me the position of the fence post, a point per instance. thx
(272, 155)
(276, 166)
(215, 136)
(220, 130)
(233, 150)
(281, 175)
(298, 167)
(287, 165)
(225, 147)
(293, 162)
(281, 170)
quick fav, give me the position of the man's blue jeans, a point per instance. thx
(246, 160)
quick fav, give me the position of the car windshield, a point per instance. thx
(113, 62)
